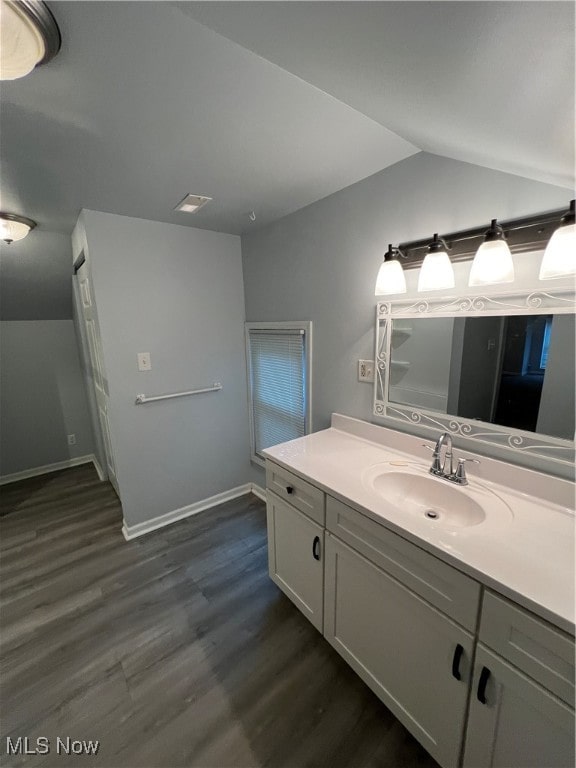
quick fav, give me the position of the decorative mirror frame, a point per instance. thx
(561, 301)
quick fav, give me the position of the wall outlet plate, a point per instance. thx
(71, 439)
(366, 370)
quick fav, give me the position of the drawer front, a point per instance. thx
(302, 495)
(537, 648)
(455, 594)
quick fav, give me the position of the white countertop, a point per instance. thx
(526, 554)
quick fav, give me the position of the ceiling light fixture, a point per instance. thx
(29, 37)
(14, 227)
(391, 277)
(560, 255)
(436, 271)
(493, 260)
(192, 203)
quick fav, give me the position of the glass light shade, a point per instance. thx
(436, 272)
(13, 230)
(390, 278)
(560, 255)
(492, 264)
(21, 44)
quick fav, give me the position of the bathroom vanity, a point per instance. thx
(455, 605)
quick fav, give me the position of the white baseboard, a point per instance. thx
(134, 531)
(99, 471)
(257, 491)
(46, 468)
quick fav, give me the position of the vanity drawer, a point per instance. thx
(455, 594)
(531, 644)
(302, 495)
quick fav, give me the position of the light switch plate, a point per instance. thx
(144, 361)
(366, 370)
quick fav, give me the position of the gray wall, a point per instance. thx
(42, 397)
(176, 292)
(320, 263)
(36, 276)
(556, 413)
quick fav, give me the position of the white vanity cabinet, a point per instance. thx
(378, 614)
(296, 540)
(415, 659)
(521, 709)
(477, 679)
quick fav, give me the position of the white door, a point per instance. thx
(417, 661)
(296, 557)
(514, 722)
(96, 373)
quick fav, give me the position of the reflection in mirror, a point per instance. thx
(516, 371)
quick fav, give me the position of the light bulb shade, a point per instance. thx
(29, 36)
(559, 257)
(492, 264)
(390, 278)
(14, 227)
(436, 272)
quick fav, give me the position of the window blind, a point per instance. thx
(278, 384)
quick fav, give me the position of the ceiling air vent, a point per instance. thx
(192, 203)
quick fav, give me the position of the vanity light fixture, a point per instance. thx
(29, 37)
(560, 255)
(192, 203)
(554, 231)
(436, 271)
(14, 227)
(391, 277)
(493, 260)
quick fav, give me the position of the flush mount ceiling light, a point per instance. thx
(390, 275)
(436, 271)
(29, 37)
(13, 227)
(560, 254)
(493, 260)
(192, 203)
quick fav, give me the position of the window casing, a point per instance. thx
(278, 358)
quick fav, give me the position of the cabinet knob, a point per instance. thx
(482, 682)
(316, 548)
(289, 489)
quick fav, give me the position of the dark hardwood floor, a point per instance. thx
(174, 649)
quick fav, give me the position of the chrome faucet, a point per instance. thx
(445, 468)
(438, 467)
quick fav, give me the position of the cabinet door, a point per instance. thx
(520, 725)
(403, 648)
(296, 557)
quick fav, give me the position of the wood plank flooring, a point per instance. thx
(172, 650)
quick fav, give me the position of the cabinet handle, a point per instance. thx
(481, 692)
(458, 651)
(316, 548)
(289, 489)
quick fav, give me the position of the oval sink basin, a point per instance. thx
(435, 499)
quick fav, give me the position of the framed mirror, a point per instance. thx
(497, 369)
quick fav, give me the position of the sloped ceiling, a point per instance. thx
(490, 83)
(143, 105)
(283, 104)
(268, 107)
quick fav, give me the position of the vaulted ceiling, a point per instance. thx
(270, 106)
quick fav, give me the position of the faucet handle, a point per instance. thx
(460, 474)
(436, 468)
